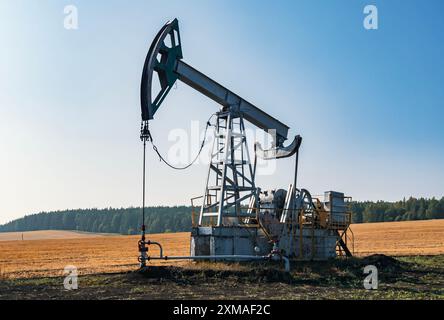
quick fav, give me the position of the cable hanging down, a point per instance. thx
(146, 135)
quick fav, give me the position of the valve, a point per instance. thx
(143, 249)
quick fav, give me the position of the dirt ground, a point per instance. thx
(420, 277)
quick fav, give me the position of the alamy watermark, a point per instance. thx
(71, 280)
(186, 144)
(71, 19)
(371, 19)
(371, 280)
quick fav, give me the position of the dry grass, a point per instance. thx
(26, 259)
(400, 238)
(99, 254)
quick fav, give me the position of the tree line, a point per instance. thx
(178, 218)
(410, 209)
(110, 220)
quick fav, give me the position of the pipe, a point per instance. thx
(287, 263)
(149, 242)
(218, 257)
(275, 255)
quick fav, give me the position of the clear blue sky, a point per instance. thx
(368, 103)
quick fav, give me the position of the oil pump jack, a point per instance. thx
(237, 220)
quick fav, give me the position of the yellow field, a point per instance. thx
(98, 253)
(400, 238)
(49, 257)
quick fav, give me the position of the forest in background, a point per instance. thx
(178, 218)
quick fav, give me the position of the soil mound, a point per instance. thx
(382, 261)
(191, 275)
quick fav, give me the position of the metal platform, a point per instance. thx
(232, 240)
